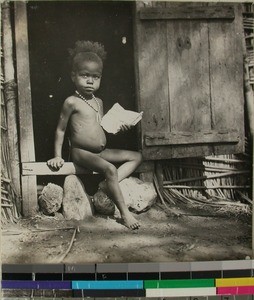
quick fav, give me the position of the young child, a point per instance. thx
(83, 112)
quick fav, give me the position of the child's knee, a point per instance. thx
(138, 158)
(135, 156)
(110, 171)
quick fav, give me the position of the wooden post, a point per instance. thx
(249, 99)
(147, 173)
(159, 174)
(252, 200)
(10, 97)
(27, 152)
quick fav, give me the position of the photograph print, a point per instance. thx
(126, 131)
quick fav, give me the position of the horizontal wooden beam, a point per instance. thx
(41, 168)
(69, 168)
(182, 138)
(187, 12)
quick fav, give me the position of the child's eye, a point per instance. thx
(96, 77)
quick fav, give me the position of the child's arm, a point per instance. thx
(101, 111)
(67, 109)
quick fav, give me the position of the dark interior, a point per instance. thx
(53, 27)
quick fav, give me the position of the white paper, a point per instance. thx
(118, 116)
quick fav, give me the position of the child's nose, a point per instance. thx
(90, 79)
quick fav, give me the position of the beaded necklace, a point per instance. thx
(86, 101)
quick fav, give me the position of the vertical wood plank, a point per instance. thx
(159, 174)
(226, 75)
(188, 70)
(10, 97)
(146, 177)
(152, 70)
(136, 30)
(27, 153)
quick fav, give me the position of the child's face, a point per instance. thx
(87, 77)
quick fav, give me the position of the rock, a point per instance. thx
(59, 216)
(51, 199)
(77, 204)
(103, 204)
(137, 194)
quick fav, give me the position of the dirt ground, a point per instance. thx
(198, 234)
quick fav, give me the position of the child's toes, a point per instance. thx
(130, 222)
(135, 226)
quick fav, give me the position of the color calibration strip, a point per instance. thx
(182, 279)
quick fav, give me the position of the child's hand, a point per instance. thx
(55, 163)
(125, 127)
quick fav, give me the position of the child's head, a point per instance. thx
(87, 64)
(86, 51)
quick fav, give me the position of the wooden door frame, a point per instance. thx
(26, 132)
(30, 169)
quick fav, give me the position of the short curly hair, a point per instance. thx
(86, 50)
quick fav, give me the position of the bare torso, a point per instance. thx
(86, 132)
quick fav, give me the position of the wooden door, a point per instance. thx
(189, 61)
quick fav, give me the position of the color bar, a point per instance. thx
(107, 285)
(143, 271)
(19, 268)
(25, 284)
(29, 268)
(237, 268)
(110, 293)
(79, 272)
(232, 282)
(177, 292)
(237, 264)
(188, 283)
(17, 276)
(112, 268)
(143, 268)
(206, 269)
(206, 266)
(112, 271)
(48, 268)
(87, 268)
(175, 267)
(236, 290)
(175, 270)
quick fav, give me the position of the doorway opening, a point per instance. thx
(53, 28)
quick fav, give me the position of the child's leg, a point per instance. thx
(95, 163)
(130, 159)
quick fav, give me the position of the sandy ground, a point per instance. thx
(198, 235)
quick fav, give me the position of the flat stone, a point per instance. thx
(77, 204)
(138, 195)
(51, 199)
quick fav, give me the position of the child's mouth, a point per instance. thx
(89, 89)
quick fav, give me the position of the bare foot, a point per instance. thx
(130, 221)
